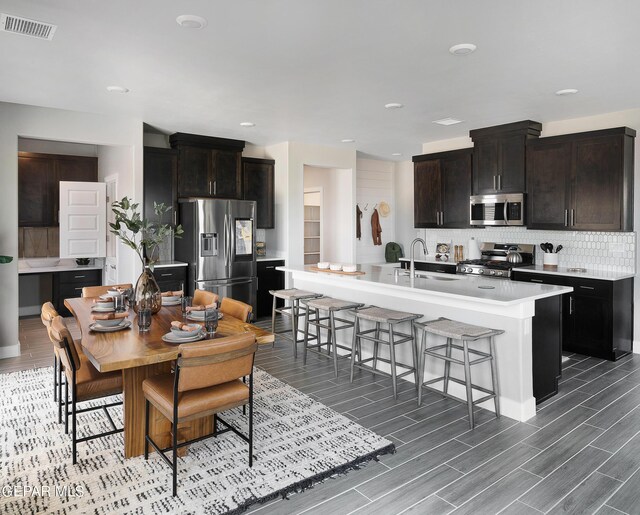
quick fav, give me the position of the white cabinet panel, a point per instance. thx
(83, 212)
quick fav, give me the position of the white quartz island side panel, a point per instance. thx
(494, 303)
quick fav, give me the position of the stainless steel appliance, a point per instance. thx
(494, 261)
(219, 245)
(499, 209)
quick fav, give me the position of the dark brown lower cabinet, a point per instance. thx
(68, 285)
(170, 278)
(269, 279)
(597, 316)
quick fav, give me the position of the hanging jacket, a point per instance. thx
(358, 217)
(376, 230)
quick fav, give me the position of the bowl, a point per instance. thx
(181, 333)
(43, 263)
(197, 314)
(104, 304)
(172, 298)
(113, 293)
(336, 266)
(110, 323)
(349, 268)
(323, 265)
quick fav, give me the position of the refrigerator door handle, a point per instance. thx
(227, 243)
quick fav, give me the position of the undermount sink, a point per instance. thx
(43, 262)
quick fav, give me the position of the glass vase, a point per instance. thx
(147, 293)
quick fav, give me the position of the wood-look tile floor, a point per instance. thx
(579, 454)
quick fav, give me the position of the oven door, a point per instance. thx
(497, 209)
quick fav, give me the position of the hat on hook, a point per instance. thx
(384, 209)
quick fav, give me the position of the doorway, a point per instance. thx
(111, 259)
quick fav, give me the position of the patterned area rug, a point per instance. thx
(297, 442)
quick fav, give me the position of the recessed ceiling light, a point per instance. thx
(191, 21)
(247, 124)
(462, 49)
(347, 140)
(396, 154)
(394, 105)
(447, 121)
(569, 91)
(117, 89)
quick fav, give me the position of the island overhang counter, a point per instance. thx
(529, 314)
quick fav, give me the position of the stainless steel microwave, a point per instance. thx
(499, 209)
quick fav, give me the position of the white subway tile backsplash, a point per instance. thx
(607, 251)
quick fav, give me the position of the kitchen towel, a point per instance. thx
(376, 230)
(358, 217)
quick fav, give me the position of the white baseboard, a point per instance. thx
(636, 347)
(10, 351)
(24, 311)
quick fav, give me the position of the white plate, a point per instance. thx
(101, 329)
(104, 296)
(173, 298)
(98, 309)
(172, 303)
(197, 318)
(169, 338)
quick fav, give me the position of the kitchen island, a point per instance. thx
(489, 302)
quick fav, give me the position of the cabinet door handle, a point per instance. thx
(79, 276)
(494, 183)
(587, 287)
(571, 305)
(566, 217)
(175, 217)
(166, 275)
(209, 187)
(78, 289)
(215, 189)
(500, 182)
(270, 267)
(441, 217)
(573, 217)
(536, 280)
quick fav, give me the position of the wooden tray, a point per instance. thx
(339, 272)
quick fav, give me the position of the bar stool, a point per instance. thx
(331, 306)
(294, 296)
(465, 333)
(391, 318)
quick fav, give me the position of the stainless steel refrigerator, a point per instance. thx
(219, 245)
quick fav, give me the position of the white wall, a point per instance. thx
(403, 178)
(56, 125)
(277, 240)
(375, 183)
(56, 147)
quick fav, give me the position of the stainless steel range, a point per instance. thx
(498, 259)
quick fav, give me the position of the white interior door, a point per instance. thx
(82, 219)
(111, 261)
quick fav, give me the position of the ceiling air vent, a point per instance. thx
(27, 27)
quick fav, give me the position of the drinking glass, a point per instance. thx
(144, 319)
(118, 302)
(186, 302)
(210, 321)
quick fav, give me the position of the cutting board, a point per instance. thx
(339, 272)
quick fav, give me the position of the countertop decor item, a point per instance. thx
(143, 236)
(393, 252)
(83, 261)
(474, 250)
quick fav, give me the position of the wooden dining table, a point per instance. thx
(141, 355)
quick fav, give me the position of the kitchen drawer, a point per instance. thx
(82, 277)
(526, 277)
(591, 287)
(176, 273)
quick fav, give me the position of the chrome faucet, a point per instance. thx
(412, 264)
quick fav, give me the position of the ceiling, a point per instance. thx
(320, 71)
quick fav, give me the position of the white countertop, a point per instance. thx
(169, 264)
(65, 265)
(269, 258)
(432, 259)
(484, 290)
(589, 274)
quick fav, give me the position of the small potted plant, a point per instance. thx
(143, 236)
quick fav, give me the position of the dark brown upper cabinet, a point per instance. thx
(208, 166)
(39, 177)
(581, 181)
(161, 182)
(258, 183)
(499, 157)
(442, 186)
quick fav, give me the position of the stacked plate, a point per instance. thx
(198, 316)
(181, 336)
(103, 306)
(109, 326)
(172, 300)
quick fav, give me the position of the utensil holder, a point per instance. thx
(550, 261)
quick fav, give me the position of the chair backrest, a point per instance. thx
(236, 309)
(216, 361)
(62, 339)
(204, 298)
(96, 291)
(47, 314)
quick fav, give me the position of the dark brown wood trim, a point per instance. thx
(528, 127)
(626, 131)
(259, 160)
(196, 140)
(440, 155)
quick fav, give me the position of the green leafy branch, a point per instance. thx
(141, 234)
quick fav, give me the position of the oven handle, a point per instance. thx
(506, 212)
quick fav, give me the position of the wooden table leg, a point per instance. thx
(159, 426)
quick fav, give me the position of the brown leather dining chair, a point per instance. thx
(47, 314)
(96, 291)
(85, 381)
(204, 298)
(236, 309)
(206, 382)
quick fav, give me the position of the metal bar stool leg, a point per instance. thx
(294, 326)
(414, 349)
(421, 359)
(306, 336)
(318, 330)
(392, 356)
(332, 337)
(55, 377)
(375, 346)
(354, 344)
(494, 375)
(447, 367)
(467, 382)
(273, 318)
